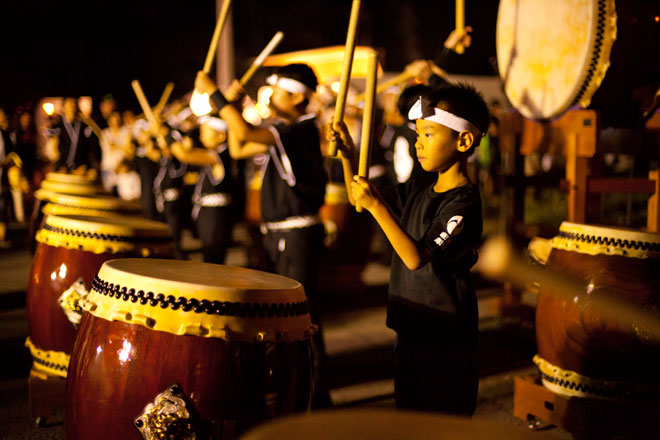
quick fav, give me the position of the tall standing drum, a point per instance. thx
(172, 349)
(581, 351)
(555, 55)
(70, 251)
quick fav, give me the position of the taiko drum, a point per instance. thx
(583, 351)
(70, 250)
(182, 348)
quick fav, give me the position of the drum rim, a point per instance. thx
(48, 361)
(574, 384)
(71, 188)
(607, 240)
(182, 308)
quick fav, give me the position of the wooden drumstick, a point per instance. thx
(349, 51)
(367, 118)
(402, 78)
(460, 23)
(270, 47)
(497, 260)
(164, 97)
(219, 26)
(153, 122)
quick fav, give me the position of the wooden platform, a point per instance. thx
(584, 418)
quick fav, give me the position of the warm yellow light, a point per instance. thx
(49, 108)
(335, 87)
(200, 104)
(657, 18)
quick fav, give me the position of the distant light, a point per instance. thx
(200, 104)
(657, 18)
(418, 81)
(125, 351)
(335, 87)
(49, 108)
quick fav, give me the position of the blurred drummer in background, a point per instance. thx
(73, 141)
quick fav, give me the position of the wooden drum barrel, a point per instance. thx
(583, 351)
(170, 348)
(70, 251)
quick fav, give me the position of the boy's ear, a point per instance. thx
(465, 141)
(297, 98)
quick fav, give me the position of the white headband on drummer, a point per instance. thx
(215, 123)
(288, 84)
(421, 110)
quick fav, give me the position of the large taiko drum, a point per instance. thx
(70, 251)
(76, 179)
(555, 55)
(176, 347)
(581, 350)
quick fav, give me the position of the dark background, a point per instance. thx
(59, 48)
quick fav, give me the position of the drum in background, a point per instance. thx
(95, 205)
(71, 178)
(556, 55)
(70, 251)
(580, 352)
(179, 346)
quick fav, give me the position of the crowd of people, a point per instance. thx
(193, 171)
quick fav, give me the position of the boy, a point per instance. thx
(434, 231)
(293, 188)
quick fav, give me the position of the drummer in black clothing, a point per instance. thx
(293, 188)
(74, 141)
(213, 194)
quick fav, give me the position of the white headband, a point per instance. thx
(288, 84)
(215, 123)
(421, 110)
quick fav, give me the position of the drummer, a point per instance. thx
(73, 141)
(294, 181)
(212, 198)
(434, 229)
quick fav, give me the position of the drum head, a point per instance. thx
(201, 299)
(553, 55)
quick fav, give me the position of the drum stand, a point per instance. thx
(46, 395)
(583, 418)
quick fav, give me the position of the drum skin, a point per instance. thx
(572, 336)
(55, 269)
(118, 368)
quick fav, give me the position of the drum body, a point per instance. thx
(553, 56)
(66, 260)
(226, 363)
(581, 351)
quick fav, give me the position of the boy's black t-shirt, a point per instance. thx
(295, 178)
(437, 301)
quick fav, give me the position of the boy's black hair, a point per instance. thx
(464, 101)
(410, 95)
(300, 72)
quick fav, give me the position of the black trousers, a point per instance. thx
(214, 229)
(432, 377)
(297, 254)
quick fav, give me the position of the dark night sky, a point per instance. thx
(53, 48)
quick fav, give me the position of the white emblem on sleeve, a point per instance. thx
(454, 227)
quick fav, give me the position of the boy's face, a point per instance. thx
(437, 145)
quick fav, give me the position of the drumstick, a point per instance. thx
(262, 57)
(460, 23)
(164, 97)
(367, 118)
(497, 260)
(93, 125)
(219, 26)
(155, 125)
(401, 78)
(346, 69)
